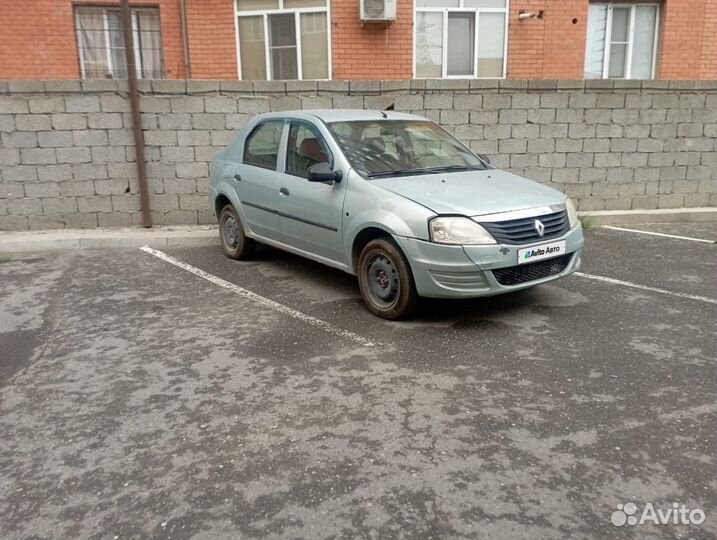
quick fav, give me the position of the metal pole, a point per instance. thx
(136, 117)
(185, 38)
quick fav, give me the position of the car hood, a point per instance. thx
(470, 193)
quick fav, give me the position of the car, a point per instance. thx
(393, 199)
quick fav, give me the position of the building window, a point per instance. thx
(622, 41)
(460, 38)
(100, 41)
(283, 39)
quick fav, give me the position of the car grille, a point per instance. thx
(523, 273)
(522, 231)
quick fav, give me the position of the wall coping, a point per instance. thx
(354, 87)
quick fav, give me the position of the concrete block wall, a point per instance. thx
(67, 154)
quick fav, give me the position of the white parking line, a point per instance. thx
(659, 234)
(281, 308)
(646, 288)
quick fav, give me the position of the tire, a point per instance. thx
(235, 244)
(385, 280)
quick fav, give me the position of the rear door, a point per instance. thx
(310, 212)
(255, 178)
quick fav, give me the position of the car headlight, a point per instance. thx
(458, 230)
(572, 213)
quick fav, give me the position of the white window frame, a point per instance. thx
(264, 13)
(461, 9)
(630, 36)
(106, 34)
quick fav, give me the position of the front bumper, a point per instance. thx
(444, 271)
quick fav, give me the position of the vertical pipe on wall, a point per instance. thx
(185, 38)
(136, 117)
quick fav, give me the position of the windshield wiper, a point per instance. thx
(393, 172)
(452, 168)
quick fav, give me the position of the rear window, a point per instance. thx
(262, 145)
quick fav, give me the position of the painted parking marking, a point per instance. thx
(646, 288)
(276, 306)
(659, 234)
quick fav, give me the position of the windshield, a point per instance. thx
(378, 148)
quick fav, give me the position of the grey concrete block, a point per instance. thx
(42, 189)
(7, 122)
(19, 173)
(541, 116)
(220, 104)
(111, 186)
(62, 86)
(580, 160)
(38, 156)
(108, 154)
(163, 86)
(496, 101)
(438, 101)
(512, 116)
(454, 117)
(609, 159)
(196, 86)
(90, 137)
(104, 120)
(177, 153)
(9, 156)
(187, 104)
(193, 138)
(468, 102)
(59, 205)
(253, 105)
(484, 117)
(13, 105)
(610, 101)
(598, 116)
(665, 101)
(335, 87)
(608, 130)
(33, 122)
(69, 121)
(623, 145)
(120, 137)
(99, 203)
(542, 146)
(19, 139)
(180, 185)
(192, 170)
(236, 87)
(270, 88)
(633, 159)
(12, 190)
(663, 131)
(568, 145)
(554, 101)
(44, 104)
(512, 146)
(581, 131)
(89, 171)
(525, 131)
(54, 173)
(82, 104)
(379, 102)
(552, 160)
(77, 189)
(24, 207)
(304, 88)
(53, 139)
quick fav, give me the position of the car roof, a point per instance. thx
(343, 115)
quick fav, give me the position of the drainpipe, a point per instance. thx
(185, 38)
(136, 117)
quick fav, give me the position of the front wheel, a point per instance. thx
(385, 280)
(235, 244)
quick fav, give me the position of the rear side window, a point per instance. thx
(262, 146)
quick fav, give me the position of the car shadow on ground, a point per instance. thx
(460, 312)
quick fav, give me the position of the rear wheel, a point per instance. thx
(385, 280)
(235, 244)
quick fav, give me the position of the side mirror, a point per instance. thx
(485, 158)
(322, 172)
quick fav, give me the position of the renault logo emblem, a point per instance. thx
(539, 227)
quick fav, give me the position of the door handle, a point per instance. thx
(284, 191)
(237, 177)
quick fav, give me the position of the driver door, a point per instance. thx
(310, 213)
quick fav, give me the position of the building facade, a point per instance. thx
(362, 39)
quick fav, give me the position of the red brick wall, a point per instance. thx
(37, 39)
(708, 59)
(212, 39)
(373, 51)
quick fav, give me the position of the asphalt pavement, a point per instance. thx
(259, 399)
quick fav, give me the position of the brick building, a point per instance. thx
(324, 39)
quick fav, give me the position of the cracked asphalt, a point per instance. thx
(139, 401)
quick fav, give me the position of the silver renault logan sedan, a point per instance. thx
(393, 199)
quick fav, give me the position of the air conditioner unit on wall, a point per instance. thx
(378, 10)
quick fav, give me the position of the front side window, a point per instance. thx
(283, 39)
(621, 41)
(460, 38)
(100, 41)
(398, 147)
(262, 145)
(305, 148)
